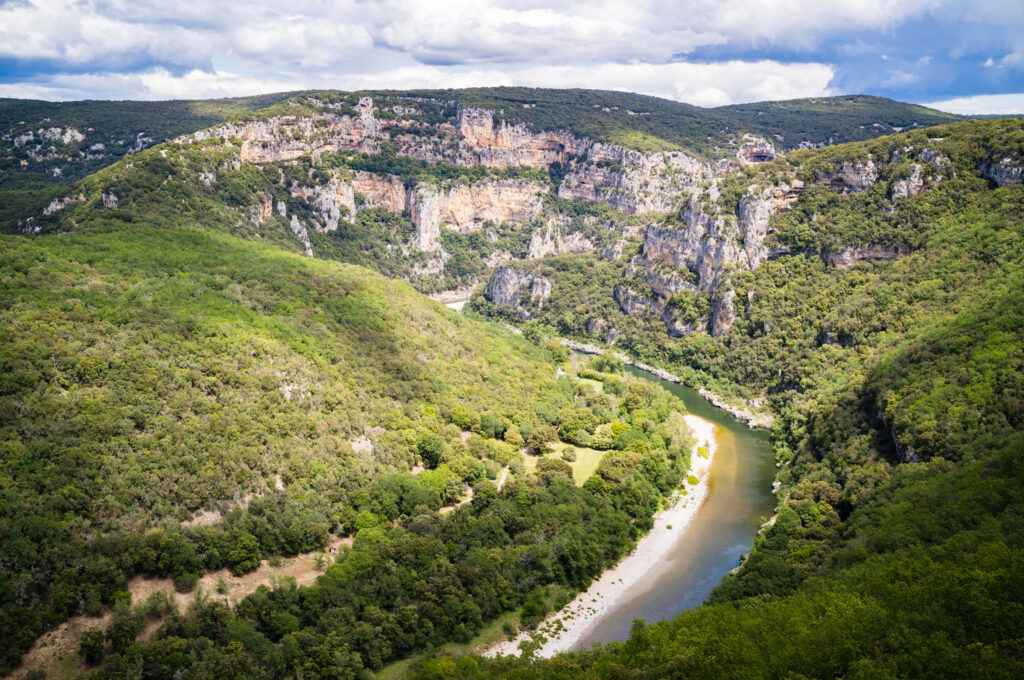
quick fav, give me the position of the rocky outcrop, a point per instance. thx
(709, 243)
(755, 212)
(509, 146)
(755, 150)
(723, 313)
(850, 178)
(300, 232)
(463, 207)
(848, 257)
(1005, 172)
(426, 215)
(631, 181)
(517, 289)
(614, 250)
(61, 203)
(109, 200)
(550, 240)
(467, 207)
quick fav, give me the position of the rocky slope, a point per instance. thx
(452, 169)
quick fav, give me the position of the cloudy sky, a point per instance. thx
(965, 56)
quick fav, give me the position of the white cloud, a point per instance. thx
(120, 34)
(152, 48)
(1003, 104)
(712, 84)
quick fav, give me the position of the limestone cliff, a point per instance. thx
(554, 239)
(466, 207)
(710, 242)
(850, 177)
(1004, 172)
(463, 207)
(518, 289)
(627, 179)
(631, 181)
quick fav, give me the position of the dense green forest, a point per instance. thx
(898, 392)
(171, 354)
(150, 373)
(830, 120)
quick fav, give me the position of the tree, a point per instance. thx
(430, 448)
(245, 556)
(91, 646)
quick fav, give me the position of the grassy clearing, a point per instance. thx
(582, 468)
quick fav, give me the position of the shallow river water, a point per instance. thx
(740, 495)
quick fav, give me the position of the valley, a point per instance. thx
(219, 355)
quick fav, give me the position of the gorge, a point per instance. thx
(217, 353)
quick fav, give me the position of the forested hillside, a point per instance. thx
(897, 389)
(154, 375)
(210, 358)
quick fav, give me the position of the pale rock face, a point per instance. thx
(300, 232)
(613, 251)
(57, 204)
(466, 207)
(509, 287)
(723, 313)
(755, 150)
(1006, 172)
(109, 200)
(549, 240)
(379, 191)
(851, 256)
(710, 243)
(332, 202)
(911, 185)
(756, 210)
(263, 211)
(507, 146)
(631, 181)
(426, 215)
(632, 302)
(851, 177)
(286, 138)
(55, 134)
(282, 209)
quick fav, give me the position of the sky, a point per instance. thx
(964, 56)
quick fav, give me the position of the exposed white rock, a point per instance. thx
(1005, 172)
(755, 150)
(851, 177)
(510, 287)
(300, 231)
(614, 250)
(109, 200)
(549, 240)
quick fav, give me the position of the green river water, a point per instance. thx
(740, 495)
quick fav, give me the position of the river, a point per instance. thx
(740, 494)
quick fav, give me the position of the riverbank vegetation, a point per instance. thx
(153, 376)
(897, 389)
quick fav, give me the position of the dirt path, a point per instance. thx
(467, 499)
(504, 476)
(56, 652)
